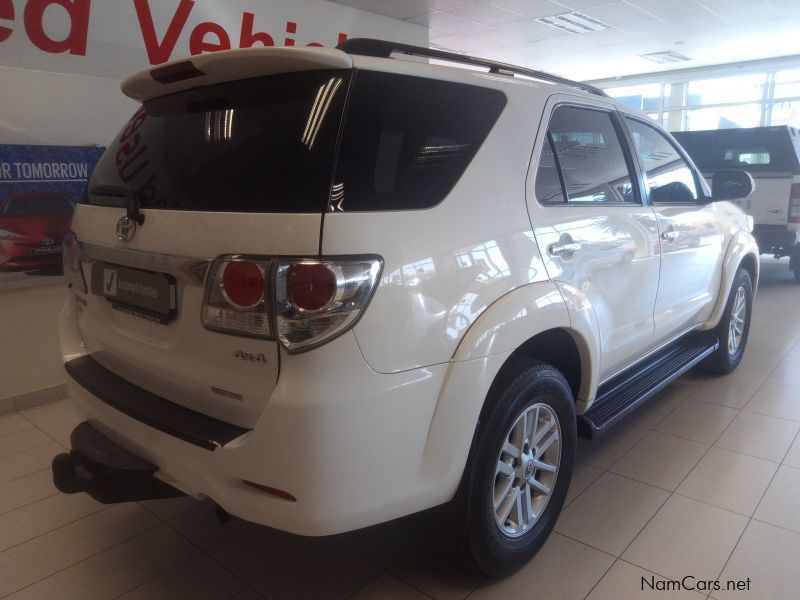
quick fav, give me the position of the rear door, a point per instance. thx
(241, 167)
(691, 233)
(599, 240)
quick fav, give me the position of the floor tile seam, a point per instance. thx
(69, 566)
(587, 544)
(747, 525)
(10, 433)
(603, 576)
(103, 509)
(639, 481)
(795, 440)
(680, 437)
(36, 447)
(206, 551)
(763, 414)
(748, 455)
(48, 468)
(172, 568)
(52, 421)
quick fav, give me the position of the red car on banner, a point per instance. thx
(32, 229)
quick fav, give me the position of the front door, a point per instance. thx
(690, 232)
(599, 241)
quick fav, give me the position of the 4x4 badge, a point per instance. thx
(126, 228)
(256, 358)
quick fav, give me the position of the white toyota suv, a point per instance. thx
(327, 288)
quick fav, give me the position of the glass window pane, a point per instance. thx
(668, 177)
(786, 113)
(640, 97)
(590, 156)
(236, 146)
(399, 153)
(725, 117)
(548, 183)
(787, 84)
(741, 88)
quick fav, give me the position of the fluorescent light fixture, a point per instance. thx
(664, 58)
(574, 22)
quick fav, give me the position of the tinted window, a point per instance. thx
(548, 181)
(407, 140)
(584, 145)
(668, 178)
(257, 145)
(758, 149)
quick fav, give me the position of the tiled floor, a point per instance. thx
(704, 481)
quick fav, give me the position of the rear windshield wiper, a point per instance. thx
(132, 197)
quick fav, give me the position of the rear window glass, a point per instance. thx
(407, 140)
(759, 149)
(257, 145)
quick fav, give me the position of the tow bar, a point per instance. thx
(105, 471)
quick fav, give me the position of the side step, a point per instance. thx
(620, 395)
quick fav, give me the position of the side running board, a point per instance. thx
(620, 395)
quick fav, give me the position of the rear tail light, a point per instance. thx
(794, 204)
(72, 263)
(243, 284)
(317, 300)
(235, 301)
(303, 303)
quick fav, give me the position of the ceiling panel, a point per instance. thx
(706, 31)
(486, 14)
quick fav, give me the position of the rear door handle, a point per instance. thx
(565, 248)
(670, 235)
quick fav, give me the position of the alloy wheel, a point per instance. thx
(736, 323)
(527, 469)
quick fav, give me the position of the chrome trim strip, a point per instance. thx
(192, 271)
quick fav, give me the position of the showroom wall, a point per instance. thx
(61, 61)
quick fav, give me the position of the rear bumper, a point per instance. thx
(775, 239)
(349, 444)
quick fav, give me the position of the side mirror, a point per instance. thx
(731, 185)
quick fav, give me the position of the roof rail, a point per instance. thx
(385, 49)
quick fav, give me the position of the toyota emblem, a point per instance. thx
(126, 229)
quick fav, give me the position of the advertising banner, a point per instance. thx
(115, 38)
(39, 187)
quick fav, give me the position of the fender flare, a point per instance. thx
(742, 244)
(503, 327)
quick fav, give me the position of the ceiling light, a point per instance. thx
(663, 58)
(574, 22)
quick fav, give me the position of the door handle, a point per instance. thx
(670, 235)
(563, 248)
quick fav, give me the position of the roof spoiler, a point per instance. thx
(229, 65)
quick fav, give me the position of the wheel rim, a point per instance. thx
(527, 469)
(737, 321)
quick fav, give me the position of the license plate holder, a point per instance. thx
(45, 250)
(146, 294)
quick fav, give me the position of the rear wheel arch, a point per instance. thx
(750, 264)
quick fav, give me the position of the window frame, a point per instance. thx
(701, 200)
(622, 138)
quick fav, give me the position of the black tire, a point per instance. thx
(794, 263)
(526, 384)
(724, 361)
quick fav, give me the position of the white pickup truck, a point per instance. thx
(772, 156)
